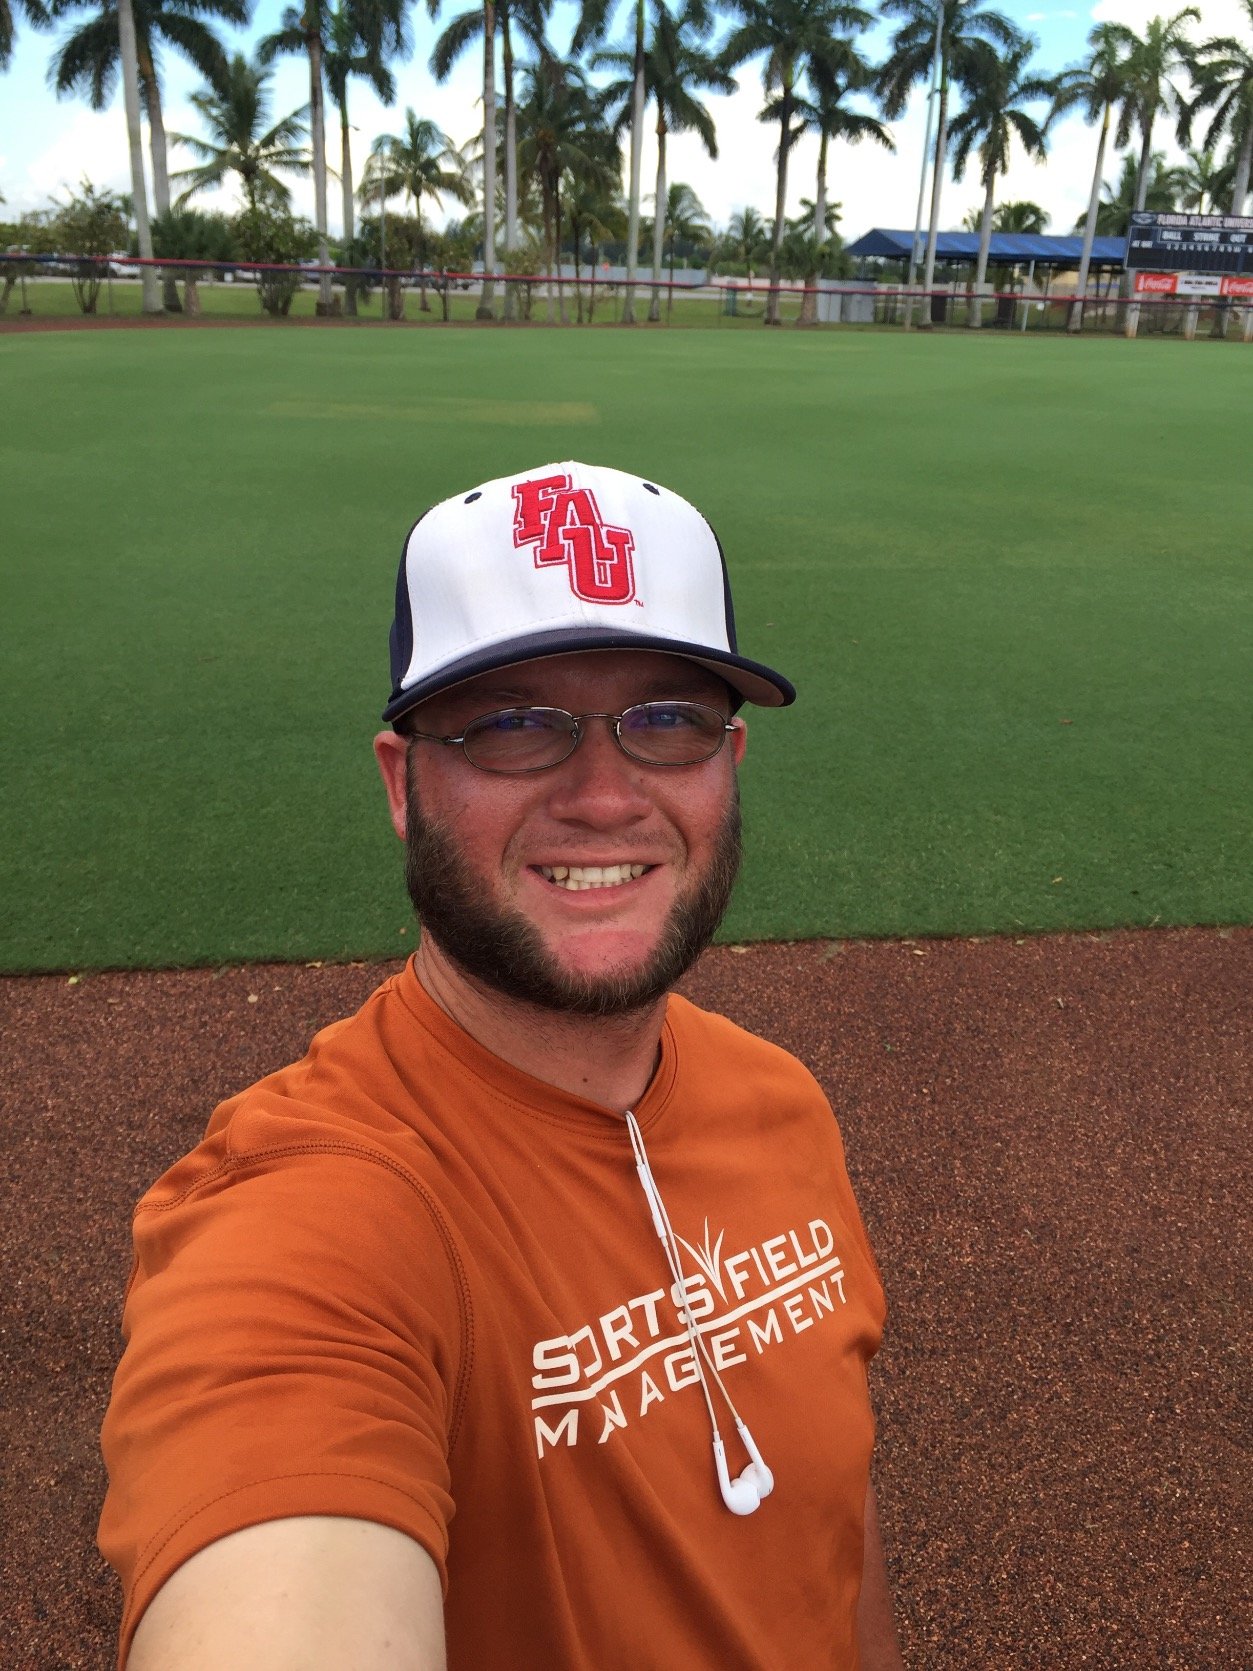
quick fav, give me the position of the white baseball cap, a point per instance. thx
(564, 557)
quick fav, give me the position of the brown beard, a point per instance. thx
(501, 949)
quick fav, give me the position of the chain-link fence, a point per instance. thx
(47, 287)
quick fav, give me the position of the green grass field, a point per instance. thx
(1010, 579)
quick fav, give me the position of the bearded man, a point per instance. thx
(524, 1322)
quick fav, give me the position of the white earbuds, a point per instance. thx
(744, 1494)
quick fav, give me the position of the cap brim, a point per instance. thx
(755, 682)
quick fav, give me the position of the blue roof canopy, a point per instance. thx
(1040, 247)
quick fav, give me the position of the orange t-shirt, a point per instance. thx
(402, 1281)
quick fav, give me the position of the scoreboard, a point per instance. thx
(1171, 243)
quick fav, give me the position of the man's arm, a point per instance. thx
(300, 1594)
(877, 1641)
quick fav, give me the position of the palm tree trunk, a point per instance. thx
(637, 147)
(423, 305)
(561, 293)
(1142, 171)
(1075, 322)
(937, 181)
(158, 151)
(486, 308)
(129, 50)
(511, 163)
(318, 135)
(1142, 191)
(546, 191)
(1225, 315)
(809, 301)
(345, 180)
(771, 316)
(659, 218)
(1243, 167)
(975, 315)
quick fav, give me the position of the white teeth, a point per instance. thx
(575, 878)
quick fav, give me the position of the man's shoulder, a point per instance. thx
(354, 1096)
(731, 1049)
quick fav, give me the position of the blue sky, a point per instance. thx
(48, 144)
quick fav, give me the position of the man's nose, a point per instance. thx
(599, 784)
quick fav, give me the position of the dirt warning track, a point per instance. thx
(1050, 1140)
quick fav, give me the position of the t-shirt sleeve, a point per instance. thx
(297, 1343)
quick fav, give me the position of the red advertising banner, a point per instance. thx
(1156, 284)
(1193, 284)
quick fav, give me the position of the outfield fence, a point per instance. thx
(105, 285)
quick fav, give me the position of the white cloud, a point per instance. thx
(1218, 17)
(88, 143)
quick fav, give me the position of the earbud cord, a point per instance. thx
(665, 1232)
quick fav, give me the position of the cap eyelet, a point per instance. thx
(649, 488)
(471, 497)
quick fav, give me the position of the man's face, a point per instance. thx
(481, 847)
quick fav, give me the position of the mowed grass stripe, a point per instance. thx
(1009, 578)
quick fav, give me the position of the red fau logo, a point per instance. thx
(564, 525)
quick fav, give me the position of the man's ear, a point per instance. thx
(391, 751)
(739, 739)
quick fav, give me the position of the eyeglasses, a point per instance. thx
(533, 739)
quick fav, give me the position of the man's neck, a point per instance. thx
(607, 1060)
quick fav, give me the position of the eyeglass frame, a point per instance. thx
(578, 733)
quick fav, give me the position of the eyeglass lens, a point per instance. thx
(658, 733)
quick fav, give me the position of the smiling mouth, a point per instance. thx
(576, 877)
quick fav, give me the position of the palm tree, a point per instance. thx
(240, 141)
(747, 239)
(530, 17)
(1152, 59)
(562, 137)
(685, 222)
(790, 34)
(363, 34)
(466, 27)
(1222, 77)
(305, 32)
(1019, 215)
(593, 26)
(129, 53)
(420, 162)
(998, 85)
(835, 75)
(1160, 188)
(89, 57)
(1203, 180)
(1097, 86)
(595, 216)
(960, 24)
(35, 13)
(676, 63)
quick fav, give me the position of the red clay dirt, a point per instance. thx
(1049, 1138)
